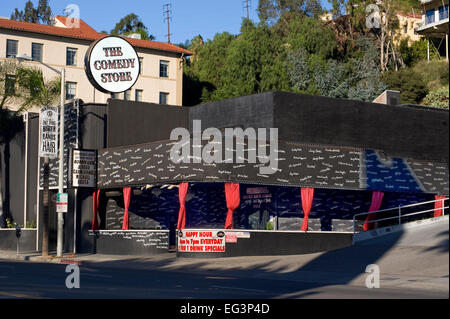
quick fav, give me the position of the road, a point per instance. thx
(412, 265)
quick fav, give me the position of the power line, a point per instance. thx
(247, 4)
(167, 11)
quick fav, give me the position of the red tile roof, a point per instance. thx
(409, 15)
(84, 32)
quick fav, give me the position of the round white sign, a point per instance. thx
(112, 65)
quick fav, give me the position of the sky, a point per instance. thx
(188, 17)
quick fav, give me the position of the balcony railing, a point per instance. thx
(443, 14)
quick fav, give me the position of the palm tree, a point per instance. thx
(24, 88)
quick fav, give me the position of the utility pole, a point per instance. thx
(167, 10)
(247, 5)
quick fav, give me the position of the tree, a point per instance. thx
(41, 14)
(311, 35)
(25, 87)
(358, 78)
(275, 11)
(364, 75)
(254, 63)
(131, 24)
(44, 12)
(207, 64)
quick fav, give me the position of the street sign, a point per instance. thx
(84, 168)
(48, 132)
(62, 200)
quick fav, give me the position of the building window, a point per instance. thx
(141, 65)
(164, 69)
(71, 90)
(11, 48)
(36, 51)
(163, 98)
(10, 84)
(114, 95)
(443, 13)
(429, 17)
(71, 56)
(138, 95)
(127, 95)
(405, 29)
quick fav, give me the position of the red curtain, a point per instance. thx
(377, 199)
(182, 192)
(307, 195)
(126, 202)
(233, 198)
(438, 205)
(95, 203)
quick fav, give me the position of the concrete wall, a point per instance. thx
(27, 240)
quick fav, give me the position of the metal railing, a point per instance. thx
(398, 215)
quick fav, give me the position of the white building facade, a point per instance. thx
(53, 48)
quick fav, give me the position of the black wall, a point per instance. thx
(13, 171)
(400, 131)
(93, 132)
(273, 243)
(254, 111)
(405, 131)
(132, 123)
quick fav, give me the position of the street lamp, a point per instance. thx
(59, 244)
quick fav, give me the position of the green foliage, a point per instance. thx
(358, 78)
(411, 85)
(291, 49)
(311, 35)
(416, 52)
(282, 11)
(30, 88)
(131, 24)
(30, 224)
(10, 223)
(253, 63)
(438, 97)
(434, 73)
(35, 90)
(41, 14)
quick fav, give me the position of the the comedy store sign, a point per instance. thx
(112, 65)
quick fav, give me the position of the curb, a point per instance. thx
(39, 258)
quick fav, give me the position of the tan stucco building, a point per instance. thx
(407, 25)
(65, 44)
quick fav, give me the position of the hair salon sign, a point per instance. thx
(112, 65)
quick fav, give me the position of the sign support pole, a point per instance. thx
(45, 202)
(60, 232)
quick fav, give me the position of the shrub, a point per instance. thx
(438, 97)
(410, 84)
